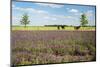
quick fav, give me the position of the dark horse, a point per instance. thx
(58, 27)
(63, 27)
(77, 27)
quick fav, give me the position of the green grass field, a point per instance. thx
(48, 28)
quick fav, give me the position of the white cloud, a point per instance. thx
(15, 18)
(73, 10)
(89, 13)
(50, 5)
(62, 16)
(42, 11)
(54, 18)
(69, 17)
(46, 17)
(78, 14)
(32, 10)
(50, 17)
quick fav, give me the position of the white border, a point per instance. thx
(88, 2)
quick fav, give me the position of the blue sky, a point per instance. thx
(49, 14)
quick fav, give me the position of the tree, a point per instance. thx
(25, 20)
(84, 20)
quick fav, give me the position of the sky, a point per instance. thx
(41, 14)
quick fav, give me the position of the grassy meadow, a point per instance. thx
(46, 45)
(48, 28)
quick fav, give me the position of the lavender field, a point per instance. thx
(58, 46)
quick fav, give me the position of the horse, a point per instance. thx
(76, 27)
(63, 27)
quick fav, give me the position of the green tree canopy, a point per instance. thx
(25, 20)
(84, 20)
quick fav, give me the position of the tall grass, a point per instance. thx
(44, 47)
